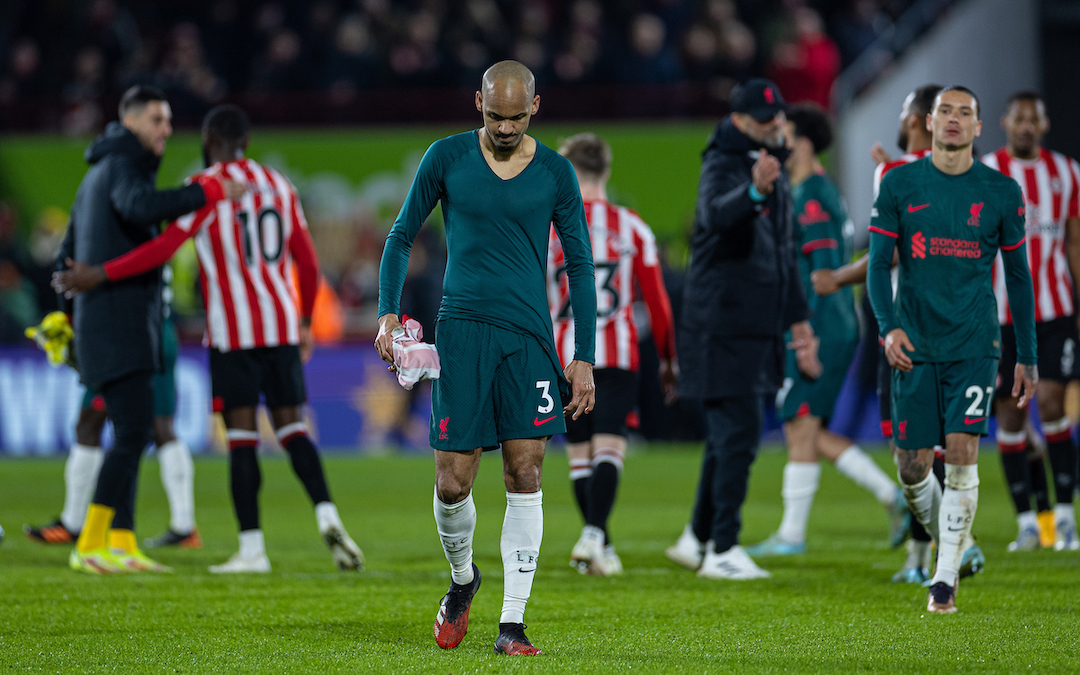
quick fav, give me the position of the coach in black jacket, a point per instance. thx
(742, 292)
(118, 325)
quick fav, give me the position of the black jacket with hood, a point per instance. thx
(117, 207)
(742, 287)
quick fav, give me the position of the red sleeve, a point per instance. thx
(148, 256)
(307, 268)
(651, 281)
(1074, 198)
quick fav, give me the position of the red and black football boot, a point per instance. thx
(452, 621)
(53, 533)
(512, 640)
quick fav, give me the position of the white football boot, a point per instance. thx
(238, 564)
(687, 551)
(347, 555)
(588, 550)
(733, 564)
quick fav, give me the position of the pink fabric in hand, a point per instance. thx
(414, 360)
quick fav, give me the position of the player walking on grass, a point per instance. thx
(627, 266)
(1049, 181)
(949, 216)
(117, 328)
(823, 240)
(85, 458)
(914, 139)
(501, 382)
(259, 333)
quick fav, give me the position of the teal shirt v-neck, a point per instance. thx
(496, 240)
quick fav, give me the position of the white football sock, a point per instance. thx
(523, 529)
(924, 500)
(326, 515)
(252, 544)
(958, 505)
(864, 472)
(800, 485)
(178, 477)
(918, 554)
(80, 480)
(456, 524)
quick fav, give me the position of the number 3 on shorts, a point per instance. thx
(549, 403)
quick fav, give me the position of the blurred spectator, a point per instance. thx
(192, 86)
(281, 66)
(805, 64)
(651, 60)
(82, 96)
(858, 27)
(353, 62)
(23, 77)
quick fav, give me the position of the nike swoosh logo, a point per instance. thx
(525, 571)
(539, 422)
(973, 420)
(913, 209)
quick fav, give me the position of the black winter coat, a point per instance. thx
(117, 207)
(742, 289)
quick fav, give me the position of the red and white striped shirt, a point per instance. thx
(886, 167)
(247, 250)
(1050, 187)
(624, 251)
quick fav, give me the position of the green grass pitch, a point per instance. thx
(831, 610)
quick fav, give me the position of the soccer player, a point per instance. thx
(85, 458)
(823, 241)
(1052, 196)
(627, 266)
(259, 337)
(501, 382)
(118, 327)
(949, 216)
(914, 141)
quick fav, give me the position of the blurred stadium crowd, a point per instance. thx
(68, 60)
(65, 63)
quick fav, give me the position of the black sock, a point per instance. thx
(1039, 487)
(308, 467)
(581, 495)
(1063, 462)
(602, 489)
(918, 532)
(245, 478)
(1017, 479)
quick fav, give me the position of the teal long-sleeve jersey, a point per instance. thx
(496, 240)
(948, 230)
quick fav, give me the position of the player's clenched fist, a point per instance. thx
(384, 341)
(765, 172)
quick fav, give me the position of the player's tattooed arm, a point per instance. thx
(1026, 375)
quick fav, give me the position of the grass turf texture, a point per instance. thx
(832, 609)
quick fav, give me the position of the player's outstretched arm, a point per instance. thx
(827, 282)
(582, 389)
(80, 277)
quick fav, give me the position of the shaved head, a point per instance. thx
(506, 74)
